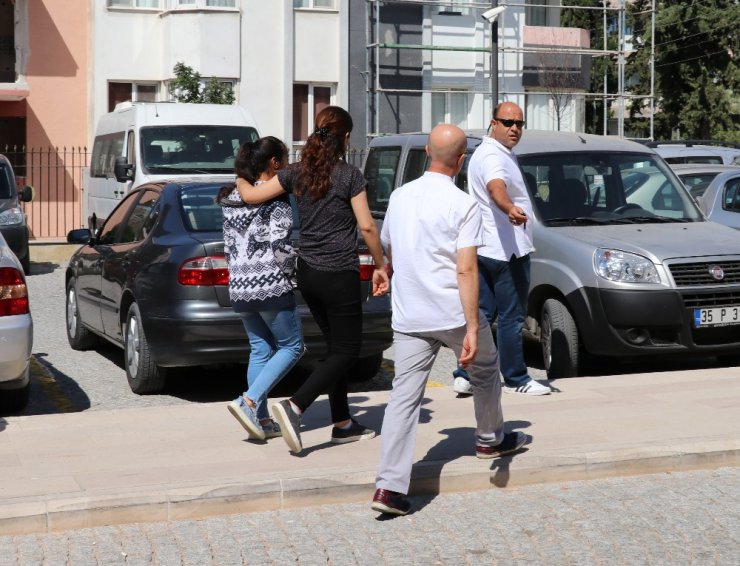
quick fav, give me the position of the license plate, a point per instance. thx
(717, 316)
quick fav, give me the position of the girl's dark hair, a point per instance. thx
(323, 149)
(253, 159)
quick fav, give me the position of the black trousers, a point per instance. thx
(334, 298)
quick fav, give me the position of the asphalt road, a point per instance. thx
(680, 518)
(65, 380)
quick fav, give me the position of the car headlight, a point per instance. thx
(11, 217)
(616, 265)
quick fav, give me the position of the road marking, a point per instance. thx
(41, 375)
(389, 367)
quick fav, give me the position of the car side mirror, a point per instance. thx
(123, 170)
(79, 236)
(26, 194)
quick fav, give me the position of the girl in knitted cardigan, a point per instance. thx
(261, 263)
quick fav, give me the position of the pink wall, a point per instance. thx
(57, 114)
(57, 73)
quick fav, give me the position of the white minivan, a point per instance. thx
(141, 142)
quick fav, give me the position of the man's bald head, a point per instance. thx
(445, 146)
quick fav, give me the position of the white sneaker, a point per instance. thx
(462, 386)
(532, 387)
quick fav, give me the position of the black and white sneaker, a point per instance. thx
(532, 387)
(355, 432)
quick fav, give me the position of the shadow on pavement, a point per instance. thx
(53, 391)
(42, 268)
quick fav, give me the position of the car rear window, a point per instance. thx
(200, 210)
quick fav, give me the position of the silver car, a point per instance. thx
(16, 333)
(697, 176)
(625, 263)
(721, 199)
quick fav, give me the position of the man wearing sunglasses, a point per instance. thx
(498, 187)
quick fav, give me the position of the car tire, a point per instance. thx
(560, 349)
(78, 336)
(366, 368)
(14, 400)
(144, 376)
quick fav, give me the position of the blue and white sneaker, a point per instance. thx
(247, 417)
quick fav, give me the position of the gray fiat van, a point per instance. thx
(13, 224)
(625, 263)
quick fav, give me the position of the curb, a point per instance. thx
(43, 515)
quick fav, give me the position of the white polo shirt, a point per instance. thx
(427, 221)
(492, 160)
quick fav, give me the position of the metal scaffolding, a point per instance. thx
(374, 90)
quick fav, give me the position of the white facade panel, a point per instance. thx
(317, 47)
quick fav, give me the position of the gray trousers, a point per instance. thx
(415, 354)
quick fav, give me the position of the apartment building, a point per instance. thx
(397, 65)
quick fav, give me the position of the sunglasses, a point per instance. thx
(509, 123)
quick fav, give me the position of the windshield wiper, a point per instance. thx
(585, 220)
(649, 219)
(179, 170)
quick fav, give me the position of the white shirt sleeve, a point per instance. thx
(471, 228)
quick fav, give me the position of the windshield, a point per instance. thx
(5, 184)
(605, 188)
(192, 149)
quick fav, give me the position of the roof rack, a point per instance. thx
(690, 143)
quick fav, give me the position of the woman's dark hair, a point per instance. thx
(253, 159)
(322, 151)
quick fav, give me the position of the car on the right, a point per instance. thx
(697, 151)
(626, 264)
(697, 176)
(720, 201)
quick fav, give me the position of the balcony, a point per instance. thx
(555, 57)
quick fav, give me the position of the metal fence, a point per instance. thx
(56, 176)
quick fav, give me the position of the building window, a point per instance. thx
(133, 3)
(535, 14)
(308, 100)
(203, 3)
(135, 92)
(315, 4)
(454, 8)
(451, 108)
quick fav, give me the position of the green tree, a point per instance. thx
(602, 68)
(697, 78)
(187, 87)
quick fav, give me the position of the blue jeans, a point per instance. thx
(276, 341)
(504, 287)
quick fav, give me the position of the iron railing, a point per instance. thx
(56, 176)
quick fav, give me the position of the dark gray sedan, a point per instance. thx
(154, 281)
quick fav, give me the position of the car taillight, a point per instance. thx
(13, 292)
(204, 271)
(367, 266)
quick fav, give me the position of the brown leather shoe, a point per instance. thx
(512, 442)
(390, 502)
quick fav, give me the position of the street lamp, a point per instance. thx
(491, 16)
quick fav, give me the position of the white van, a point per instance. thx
(141, 142)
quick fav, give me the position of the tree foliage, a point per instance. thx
(697, 78)
(187, 87)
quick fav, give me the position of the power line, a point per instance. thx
(691, 59)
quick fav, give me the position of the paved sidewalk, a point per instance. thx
(86, 469)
